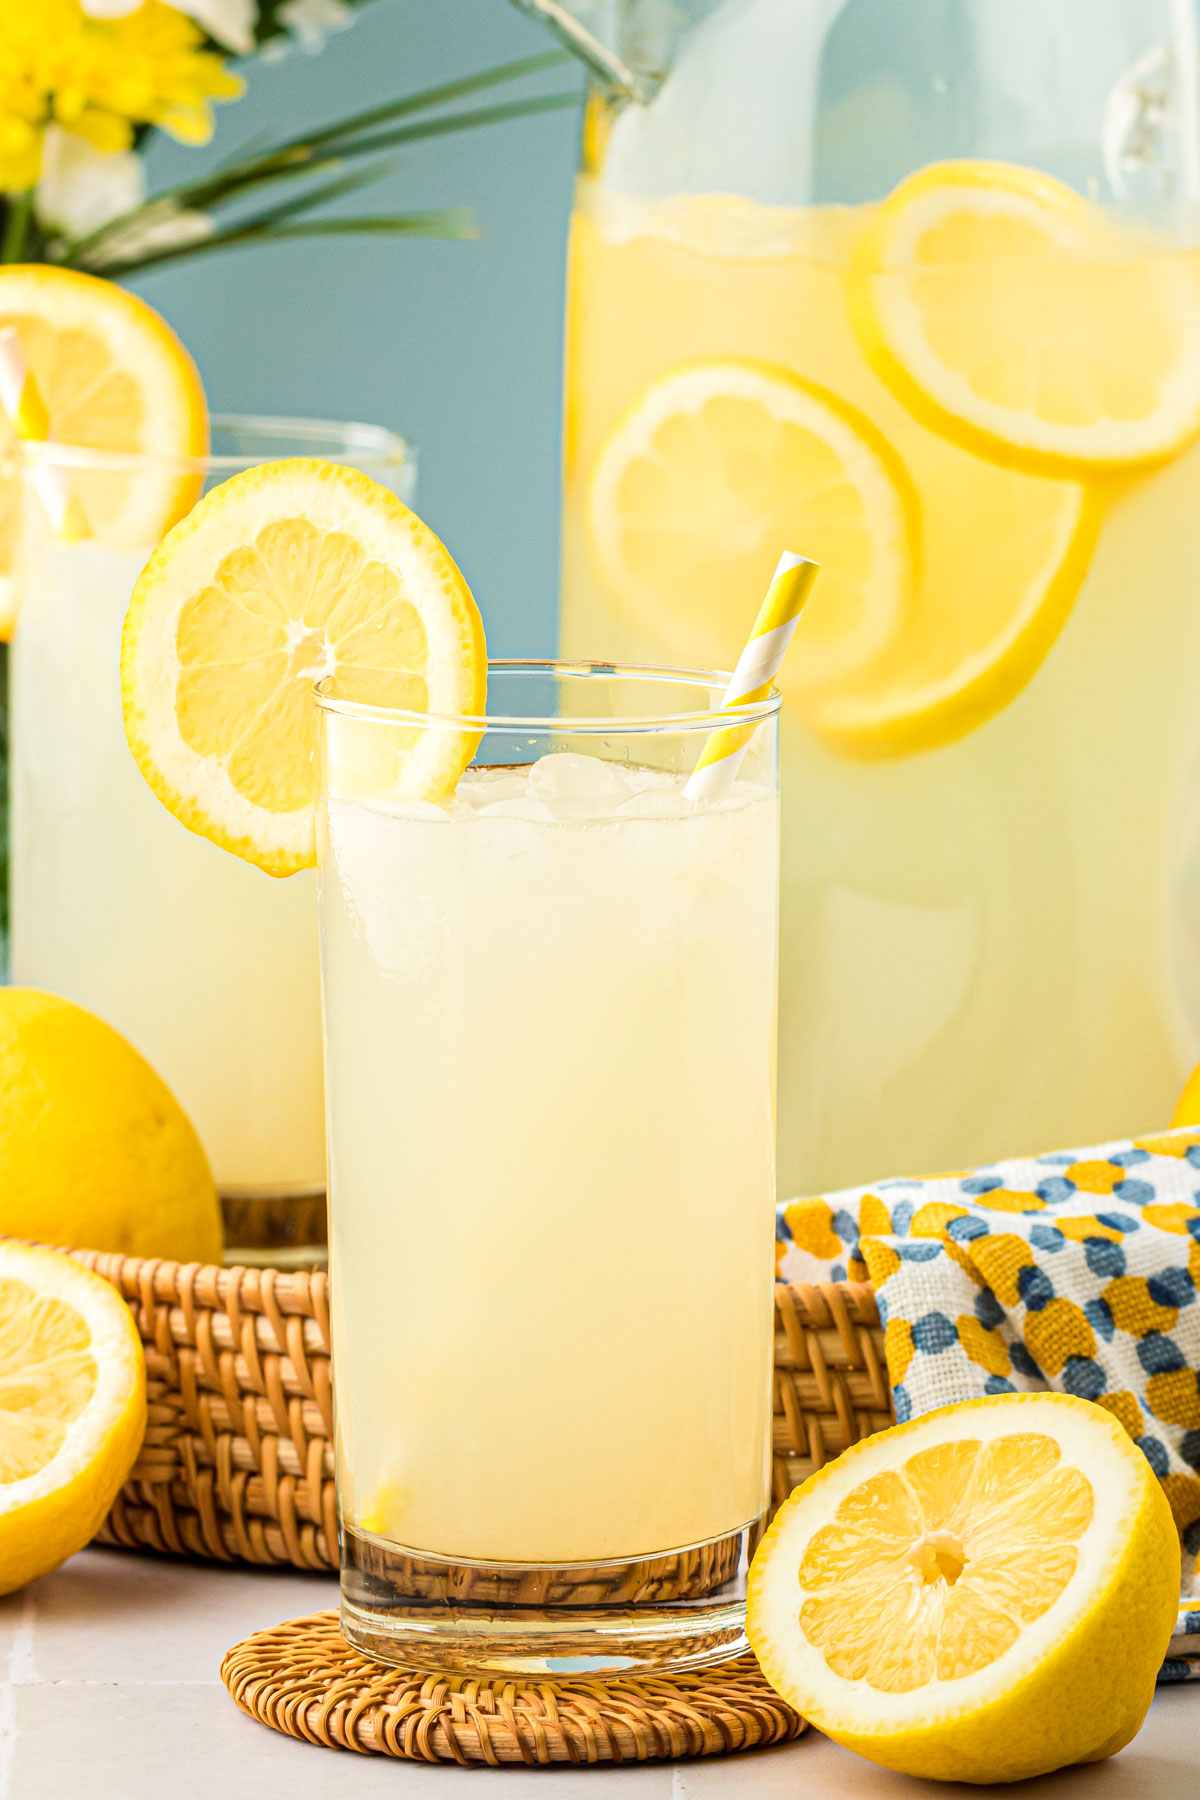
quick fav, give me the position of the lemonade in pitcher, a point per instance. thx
(919, 295)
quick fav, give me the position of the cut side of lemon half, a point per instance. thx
(981, 1594)
(72, 1407)
(1007, 312)
(1004, 557)
(283, 575)
(113, 377)
(717, 468)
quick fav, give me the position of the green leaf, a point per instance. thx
(432, 97)
(450, 222)
(301, 158)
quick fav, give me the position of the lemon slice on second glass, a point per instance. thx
(113, 377)
(280, 576)
(982, 1594)
(716, 468)
(1008, 313)
(72, 1407)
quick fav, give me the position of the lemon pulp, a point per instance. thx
(282, 575)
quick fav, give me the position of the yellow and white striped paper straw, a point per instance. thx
(26, 411)
(757, 668)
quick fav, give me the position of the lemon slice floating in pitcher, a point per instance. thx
(946, 579)
(982, 1594)
(717, 466)
(113, 377)
(1006, 312)
(1005, 555)
(282, 575)
(72, 1407)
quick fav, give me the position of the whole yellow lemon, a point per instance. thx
(95, 1151)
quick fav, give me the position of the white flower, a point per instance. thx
(81, 188)
(310, 22)
(230, 22)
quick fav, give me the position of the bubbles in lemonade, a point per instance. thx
(990, 740)
(550, 1027)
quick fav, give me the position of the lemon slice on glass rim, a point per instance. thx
(283, 575)
(115, 378)
(72, 1407)
(981, 1594)
(1010, 314)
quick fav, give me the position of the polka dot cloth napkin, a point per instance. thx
(1078, 1271)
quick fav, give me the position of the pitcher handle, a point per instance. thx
(603, 63)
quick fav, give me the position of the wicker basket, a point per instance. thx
(237, 1462)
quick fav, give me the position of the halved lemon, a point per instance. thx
(717, 468)
(72, 1407)
(1007, 312)
(981, 1594)
(284, 574)
(1004, 557)
(113, 376)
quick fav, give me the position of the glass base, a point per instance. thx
(275, 1228)
(685, 1609)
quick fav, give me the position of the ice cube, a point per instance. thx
(486, 787)
(654, 803)
(563, 779)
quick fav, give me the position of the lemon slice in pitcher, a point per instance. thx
(982, 1594)
(715, 468)
(1008, 313)
(946, 579)
(1005, 555)
(113, 377)
(280, 576)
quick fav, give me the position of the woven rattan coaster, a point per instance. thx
(304, 1679)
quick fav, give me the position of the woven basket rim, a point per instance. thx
(265, 1289)
(237, 1461)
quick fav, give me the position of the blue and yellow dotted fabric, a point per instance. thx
(1078, 1271)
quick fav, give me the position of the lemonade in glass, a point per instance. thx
(550, 1058)
(205, 963)
(919, 295)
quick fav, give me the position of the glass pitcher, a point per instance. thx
(913, 289)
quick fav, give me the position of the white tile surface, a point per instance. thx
(109, 1690)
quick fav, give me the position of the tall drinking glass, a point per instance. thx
(206, 964)
(550, 1063)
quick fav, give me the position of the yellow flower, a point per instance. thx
(102, 79)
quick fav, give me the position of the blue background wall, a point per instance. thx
(457, 345)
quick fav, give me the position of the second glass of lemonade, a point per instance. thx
(550, 1062)
(206, 964)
